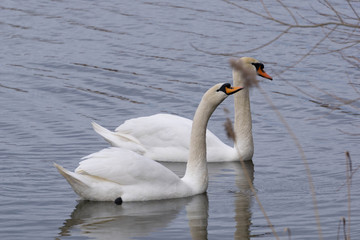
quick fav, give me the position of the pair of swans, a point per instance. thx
(121, 174)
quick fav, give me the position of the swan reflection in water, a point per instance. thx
(106, 220)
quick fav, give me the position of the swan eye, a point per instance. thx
(258, 66)
(223, 87)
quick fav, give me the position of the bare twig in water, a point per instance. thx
(348, 133)
(288, 232)
(342, 222)
(338, 230)
(351, 175)
(348, 184)
(344, 227)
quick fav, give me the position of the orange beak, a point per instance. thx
(263, 74)
(232, 90)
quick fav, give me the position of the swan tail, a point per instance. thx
(90, 187)
(75, 182)
(117, 139)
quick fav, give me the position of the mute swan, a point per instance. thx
(118, 174)
(165, 137)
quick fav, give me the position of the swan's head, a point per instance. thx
(245, 70)
(227, 88)
(216, 94)
(256, 66)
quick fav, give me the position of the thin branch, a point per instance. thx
(348, 183)
(336, 50)
(345, 102)
(348, 133)
(355, 89)
(322, 116)
(246, 51)
(351, 36)
(345, 24)
(344, 227)
(351, 175)
(254, 12)
(266, 9)
(346, 58)
(288, 10)
(309, 52)
(338, 230)
(334, 10)
(353, 9)
(288, 232)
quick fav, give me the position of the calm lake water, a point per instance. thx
(67, 63)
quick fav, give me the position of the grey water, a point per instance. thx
(64, 64)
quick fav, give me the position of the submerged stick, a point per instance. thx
(348, 184)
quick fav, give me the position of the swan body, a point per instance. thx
(117, 173)
(166, 137)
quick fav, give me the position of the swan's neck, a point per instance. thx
(242, 123)
(196, 173)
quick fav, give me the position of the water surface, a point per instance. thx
(65, 64)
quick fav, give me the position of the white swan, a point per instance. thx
(165, 137)
(123, 175)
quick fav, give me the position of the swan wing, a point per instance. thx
(158, 130)
(166, 137)
(118, 139)
(125, 167)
